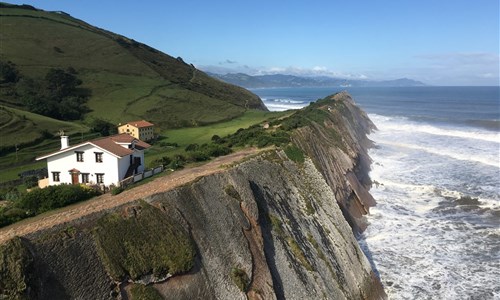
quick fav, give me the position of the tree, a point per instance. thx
(8, 72)
(105, 128)
(56, 96)
(61, 83)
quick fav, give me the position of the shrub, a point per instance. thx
(294, 153)
(217, 150)
(142, 292)
(30, 181)
(215, 138)
(276, 224)
(232, 192)
(177, 162)
(240, 278)
(198, 156)
(192, 147)
(298, 253)
(16, 265)
(42, 200)
(116, 190)
(10, 214)
(144, 242)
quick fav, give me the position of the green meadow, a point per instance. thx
(14, 163)
(124, 80)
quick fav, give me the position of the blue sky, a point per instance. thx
(440, 42)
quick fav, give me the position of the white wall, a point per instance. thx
(66, 161)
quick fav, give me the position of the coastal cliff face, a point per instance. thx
(271, 227)
(338, 148)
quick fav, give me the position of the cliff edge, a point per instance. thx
(274, 226)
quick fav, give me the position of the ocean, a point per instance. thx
(435, 232)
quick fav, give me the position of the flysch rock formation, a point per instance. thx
(266, 228)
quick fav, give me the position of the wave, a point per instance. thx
(402, 124)
(286, 100)
(443, 152)
(282, 106)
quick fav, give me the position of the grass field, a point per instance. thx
(203, 134)
(12, 164)
(19, 126)
(127, 81)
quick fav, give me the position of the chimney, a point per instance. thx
(64, 142)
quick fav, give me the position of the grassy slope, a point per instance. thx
(19, 126)
(182, 136)
(203, 134)
(128, 80)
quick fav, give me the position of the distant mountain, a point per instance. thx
(280, 80)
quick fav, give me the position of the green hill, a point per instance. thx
(127, 80)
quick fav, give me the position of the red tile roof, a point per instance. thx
(110, 144)
(140, 123)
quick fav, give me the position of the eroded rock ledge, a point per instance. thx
(268, 228)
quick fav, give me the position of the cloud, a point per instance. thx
(291, 70)
(471, 58)
(314, 71)
(228, 62)
(464, 68)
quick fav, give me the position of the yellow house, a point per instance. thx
(142, 130)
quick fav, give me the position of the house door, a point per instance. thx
(74, 178)
(137, 163)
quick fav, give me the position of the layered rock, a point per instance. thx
(267, 228)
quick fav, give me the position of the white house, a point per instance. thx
(103, 161)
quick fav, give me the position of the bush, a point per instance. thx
(294, 153)
(10, 214)
(116, 190)
(142, 292)
(30, 181)
(217, 150)
(42, 200)
(145, 241)
(240, 278)
(232, 192)
(192, 147)
(198, 156)
(16, 270)
(177, 162)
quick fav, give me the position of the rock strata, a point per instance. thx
(266, 228)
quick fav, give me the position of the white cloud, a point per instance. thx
(314, 71)
(228, 62)
(472, 68)
(223, 68)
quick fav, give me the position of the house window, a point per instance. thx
(98, 157)
(99, 177)
(56, 177)
(85, 177)
(79, 156)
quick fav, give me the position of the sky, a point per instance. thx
(439, 42)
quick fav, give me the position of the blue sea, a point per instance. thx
(435, 232)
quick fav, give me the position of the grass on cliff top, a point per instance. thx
(15, 262)
(144, 241)
(294, 153)
(144, 292)
(203, 134)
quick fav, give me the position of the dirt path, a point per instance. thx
(107, 201)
